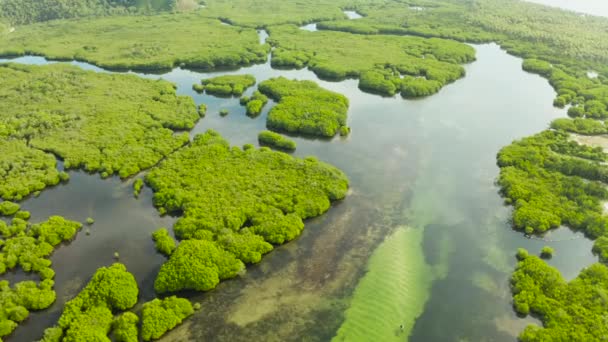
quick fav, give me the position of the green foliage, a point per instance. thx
(580, 126)
(55, 230)
(224, 112)
(8, 208)
(138, 184)
(88, 316)
(196, 265)
(273, 189)
(255, 103)
(158, 42)
(304, 107)
(64, 110)
(164, 242)
(160, 316)
(235, 202)
(125, 327)
(522, 254)
(30, 247)
(263, 13)
(23, 170)
(600, 248)
(228, 85)
(553, 181)
(378, 61)
(27, 11)
(276, 140)
(547, 252)
(16, 302)
(569, 311)
(90, 221)
(23, 214)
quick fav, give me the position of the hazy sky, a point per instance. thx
(595, 7)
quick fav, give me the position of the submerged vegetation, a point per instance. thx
(227, 85)
(570, 311)
(304, 107)
(235, 205)
(276, 140)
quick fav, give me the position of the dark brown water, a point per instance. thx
(427, 163)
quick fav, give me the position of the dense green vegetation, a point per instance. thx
(580, 126)
(553, 181)
(63, 110)
(378, 61)
(164, 242)
(8, 208)
(144, 43)
(197, 265)
(29, 246)
(160, 316)
(125, 328)
(304, 107)
(262, 13)
(235, 203)
(570, 311)
(24, 170)
(88, 316)
(276, 140)
(227, 85)
(27, 11)
(16, 302)
(547, 252)
(138, 184)
(254, 103)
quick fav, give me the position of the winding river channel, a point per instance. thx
(426, 166)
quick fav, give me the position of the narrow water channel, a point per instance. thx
(428, 164)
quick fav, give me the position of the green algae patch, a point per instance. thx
(160, 316)
(157, 42)
(304, 107)
(392, 294)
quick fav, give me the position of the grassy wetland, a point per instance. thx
(426, 201)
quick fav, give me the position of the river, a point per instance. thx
(427, 164)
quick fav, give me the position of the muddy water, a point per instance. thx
(428, 164)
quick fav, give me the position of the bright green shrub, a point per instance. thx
(164, 242)
(24, 215)
(580, 126)
(547, 252)
(600, 248)
(569, 311)
(196, 265)
(304, 107)
(255, 103)
(228, 85)
(276, 140)
(88, 316)
(138, 184)
(160, 316)
(8, 208)
(125, 328)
